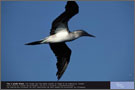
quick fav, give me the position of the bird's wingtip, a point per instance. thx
(58, 79)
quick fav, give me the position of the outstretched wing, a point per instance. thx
(62, 52)
(61, 22)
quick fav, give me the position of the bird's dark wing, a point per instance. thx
(61, 22)
(62, 52)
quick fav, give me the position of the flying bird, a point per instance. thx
(60, 34)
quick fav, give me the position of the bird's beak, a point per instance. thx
(89, 35)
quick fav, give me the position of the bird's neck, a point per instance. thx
(76, 34)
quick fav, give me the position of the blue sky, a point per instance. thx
(108, 57)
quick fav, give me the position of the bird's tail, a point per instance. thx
(35, 43)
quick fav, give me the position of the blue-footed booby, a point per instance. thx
(60, 34)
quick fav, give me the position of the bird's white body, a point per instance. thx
(60, 36)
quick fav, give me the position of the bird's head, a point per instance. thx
(79, 33)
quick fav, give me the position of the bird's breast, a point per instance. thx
(60, 36)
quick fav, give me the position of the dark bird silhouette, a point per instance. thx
(60, 34)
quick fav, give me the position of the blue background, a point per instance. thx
(108, 57)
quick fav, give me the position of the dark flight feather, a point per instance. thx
(62, 52)
(61, 21)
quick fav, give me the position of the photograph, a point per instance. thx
(67, 41)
